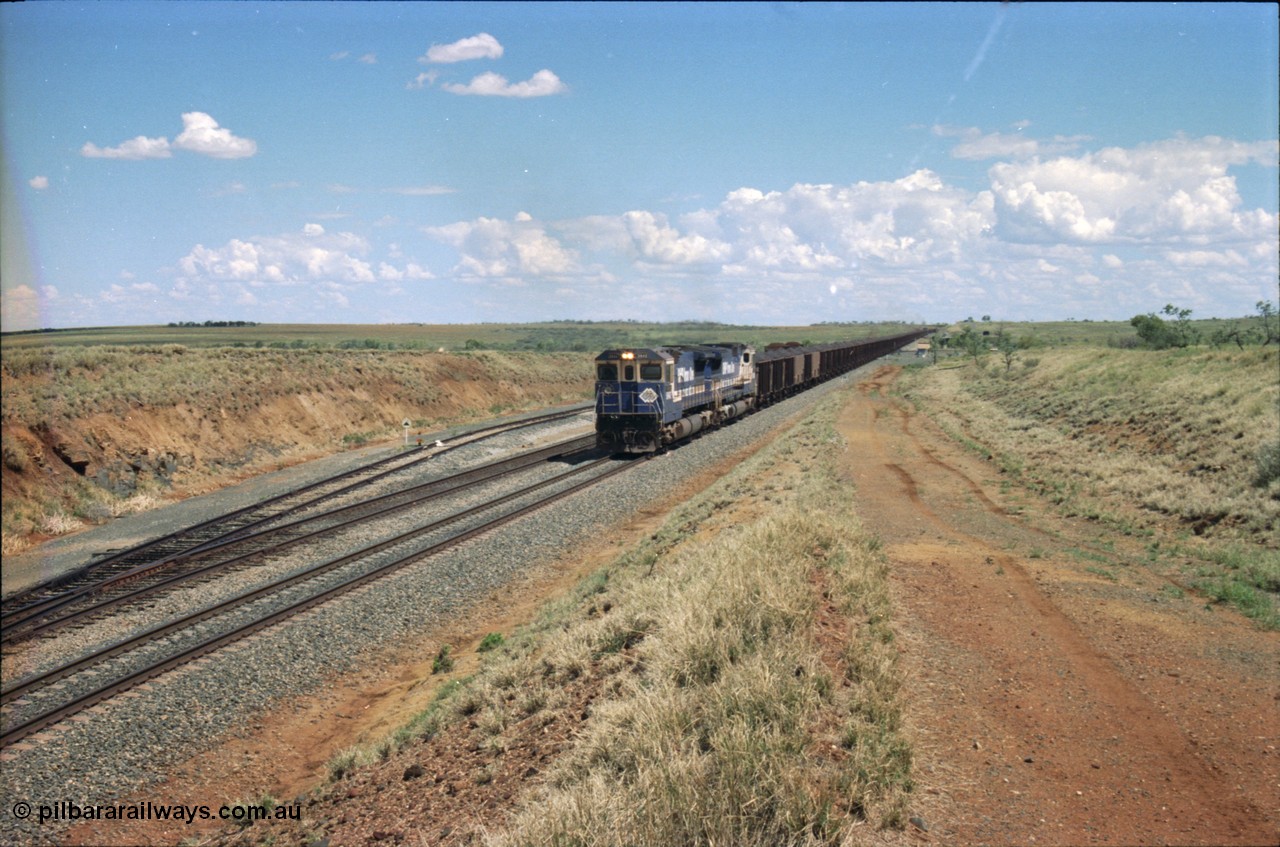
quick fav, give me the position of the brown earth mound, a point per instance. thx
(86, 438)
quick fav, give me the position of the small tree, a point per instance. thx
(1231, 332)
(1270, 324)
(972, 343)
(1155, 333)
(1007, 348)
(1186, 333)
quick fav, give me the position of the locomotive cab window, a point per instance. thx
(701, 364)
(629, 373)
(606, 373)
(651, 371)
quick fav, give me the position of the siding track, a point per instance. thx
(23, 614)
(43, 699)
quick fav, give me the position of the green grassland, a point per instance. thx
(567, 336)
(570, 336)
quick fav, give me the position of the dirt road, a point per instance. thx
(1061, 692)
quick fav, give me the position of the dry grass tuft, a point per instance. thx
(1174, 440)
(733, 680)
(734, 725)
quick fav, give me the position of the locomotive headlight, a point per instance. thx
(628, 355)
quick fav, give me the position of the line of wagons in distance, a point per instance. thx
(650, 397)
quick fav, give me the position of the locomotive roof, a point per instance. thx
(717, 347)
(672, 351)
(640, 353)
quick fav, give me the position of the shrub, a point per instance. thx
(15, 455)
(342, 763)
(1268, 466)
(1154, 332)
(443, 662)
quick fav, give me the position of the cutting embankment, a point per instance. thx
(1178, 448)
(94, 432)
(1070, 562)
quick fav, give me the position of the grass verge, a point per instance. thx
(733, 679)
(1164, 445)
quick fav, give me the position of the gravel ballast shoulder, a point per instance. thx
(60, 555)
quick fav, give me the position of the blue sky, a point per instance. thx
(758, 163)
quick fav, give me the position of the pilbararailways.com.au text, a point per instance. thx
(65, 811)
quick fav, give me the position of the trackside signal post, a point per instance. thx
(405, 424)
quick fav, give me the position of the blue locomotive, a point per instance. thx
(649, 397)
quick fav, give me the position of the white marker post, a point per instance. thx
(405, 424)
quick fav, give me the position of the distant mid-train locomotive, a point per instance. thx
(649, 397)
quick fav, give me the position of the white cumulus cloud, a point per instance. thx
(1096, 233)
(482, 46)
(39, 183)
(310, 255)
(201, 134)
(978, 145)
(1175, 190)
(139, 147)
(23, 306)
(542, 84)
(490, 247)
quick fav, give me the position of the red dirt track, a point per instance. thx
(1052, 705)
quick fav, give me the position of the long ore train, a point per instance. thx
(649, 397)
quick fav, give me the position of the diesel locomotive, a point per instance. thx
(650, 397)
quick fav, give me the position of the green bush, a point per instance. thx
(1268, 467)
(443, 662)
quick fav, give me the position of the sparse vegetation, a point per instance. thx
(721, 711)
(551, 336)
(1267, 470)
(1181, 439)
(443, 662)
(86, 429)
(342, 763)
(149, 410)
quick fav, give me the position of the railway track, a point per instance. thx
(242, 550)
(36, 702)
(21, 612)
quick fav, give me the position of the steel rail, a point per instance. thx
(445, 485)
(54, 715)
(20, 616)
